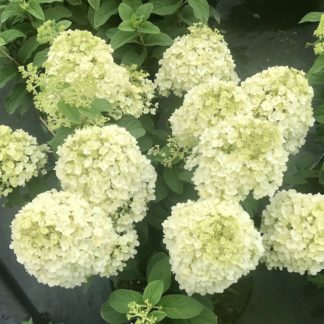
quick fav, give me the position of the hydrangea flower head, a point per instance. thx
(80, 69)
(293, 232)
(283, 96)
(204, 106)
(193, 59)
(21, 158)
(237, 156)
(62, 240)
(105, 166)
(211, 245)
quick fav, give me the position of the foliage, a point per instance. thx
(145, 291)
(157, 302)
(138, 31)
(316, 79)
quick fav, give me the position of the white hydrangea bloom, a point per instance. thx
(293, 232)
(283, 96)
(62, 240)
(21, 158)
(211, 245)
(105, 166)
(204, 106)
(237, 156)
(79, 69)
(193, 59)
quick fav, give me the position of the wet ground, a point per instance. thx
(260, 34)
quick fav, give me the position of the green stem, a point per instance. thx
(140, 36)
(7, 55)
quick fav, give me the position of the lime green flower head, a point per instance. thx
(62, 240)
(79, 69)
(293, 232)
(211, 244)
(282, 96)
(193, 59)
(237, 156)
(105, 166)
(204, 106)
(21, 159)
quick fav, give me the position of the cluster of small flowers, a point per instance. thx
(212, 244)
(319, 32)
(48, 31)
(240, 137)
(170, 154)
(293, 232)
(105, 166)
(142, 313)
(205, 106)
(283, 96)
(62, 240)
(21, 158)
(193, 59)
(79, 69)
(239, 155)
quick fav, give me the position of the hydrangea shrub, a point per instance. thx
(156, 164)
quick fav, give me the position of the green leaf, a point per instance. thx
(160, 39)
(119, 299)
(311, 17)
(121, 38)
(126, 26)
(161, 189)
(18, 99)
(207, 316)
(57, 13)
(153, 291)
(111, 316)
(74, 2)
(214, 14)
(125, 11)
(132, 125)
(147, 27)
(317, 280)
(94, 4)
(104, 12)
(200, 9)
(144, 11)
(133, 57)
(133, 3)
(11, 10)
(63, 25)
(7, 72)
(159, 315)
(59, 137)
(319, 114)
(36, 10)
(161, 270)
(145, 143)
(170, 176)
(165, 7)
(27, 49)
(71, 113)
(49, 1)
(155, 258)
(185, 176)
(101, 105)
(316, 73)
(10, 35)
(40, 57)
(180, 306)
